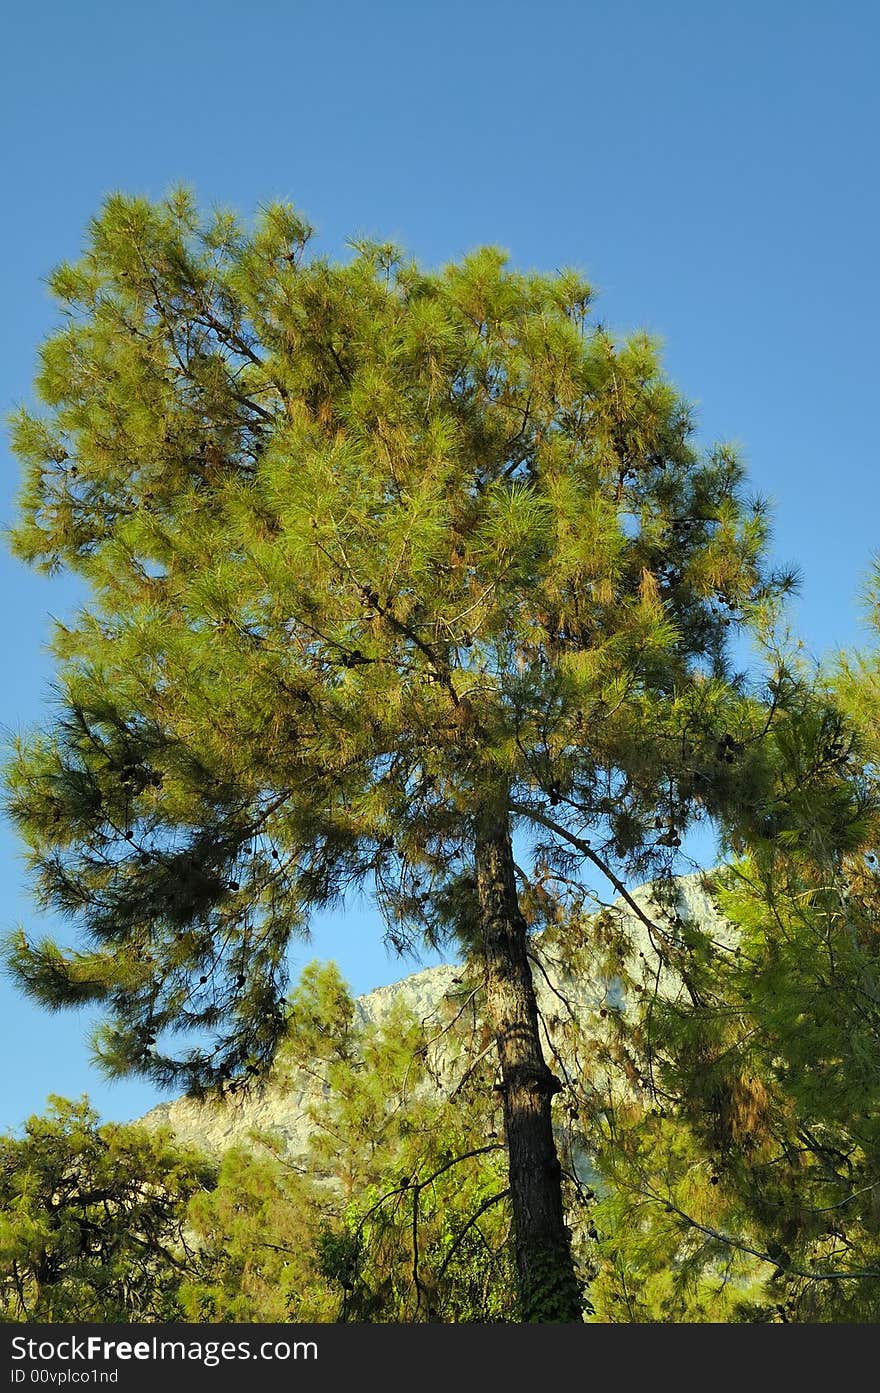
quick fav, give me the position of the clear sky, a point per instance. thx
(712, 167)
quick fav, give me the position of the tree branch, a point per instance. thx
(487, 1204)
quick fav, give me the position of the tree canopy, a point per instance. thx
(92, 1219)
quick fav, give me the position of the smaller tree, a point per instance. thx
(398, 1210)
(92, 1219)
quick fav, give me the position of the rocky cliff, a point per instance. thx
(283, 1108)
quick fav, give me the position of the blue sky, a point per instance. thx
(712, 168)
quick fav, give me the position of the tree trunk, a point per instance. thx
(548, 1287)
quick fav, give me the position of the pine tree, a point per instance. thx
(384, 565)
(93, 1218)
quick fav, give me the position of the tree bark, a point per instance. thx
(548, 1287)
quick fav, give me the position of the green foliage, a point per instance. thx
(92, 1219)
(257, 1235)
(369, 548)
(738, 1161)
(392, 1213)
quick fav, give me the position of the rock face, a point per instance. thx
(284, 1110)
(217, 1125)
